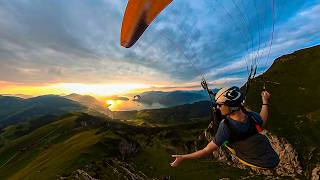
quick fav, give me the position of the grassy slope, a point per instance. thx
(295, 104)
(69, 147)
(50, 149)
(28, 147)
(58, 158)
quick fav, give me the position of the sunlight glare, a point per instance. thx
(99, 89)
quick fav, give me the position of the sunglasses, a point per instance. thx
(219, 104)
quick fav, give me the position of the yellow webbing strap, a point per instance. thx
(233, 152)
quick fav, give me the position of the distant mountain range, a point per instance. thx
(115, 97)
(15, 109)
(89, 102)
(173, 98)
(18, 95)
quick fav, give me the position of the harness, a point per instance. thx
(254, 128)
(238, 143)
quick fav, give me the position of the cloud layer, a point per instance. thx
(78, 41)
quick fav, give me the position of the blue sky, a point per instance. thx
(49, 41)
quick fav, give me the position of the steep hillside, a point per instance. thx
(10, 105)
(293, 80)
(13, 109)
(37, 151)
(89, 102)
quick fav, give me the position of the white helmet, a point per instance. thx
(230, 96)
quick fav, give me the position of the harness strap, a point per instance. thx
(257, 125)
(233, 152)
(254, 124)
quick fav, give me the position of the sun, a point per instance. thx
(110, 102)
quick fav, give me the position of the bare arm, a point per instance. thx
(198, 154)
(264, 113)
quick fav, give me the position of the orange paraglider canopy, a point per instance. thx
(138, 16)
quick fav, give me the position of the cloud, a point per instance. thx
(297, 32)
(78, 41)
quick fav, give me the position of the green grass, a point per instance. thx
(43, 139)
(154, 161)
(29, 146)
(58, 159)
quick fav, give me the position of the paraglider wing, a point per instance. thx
(138, 16)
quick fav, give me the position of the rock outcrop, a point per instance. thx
(107, 169)
(315, 174)
(128, 148)
(289, 164)
(79, 175)
(125, 170)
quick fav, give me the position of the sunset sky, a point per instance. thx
(62, 47)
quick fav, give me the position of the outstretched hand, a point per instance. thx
(177, 161)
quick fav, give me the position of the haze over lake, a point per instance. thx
(129, 105)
